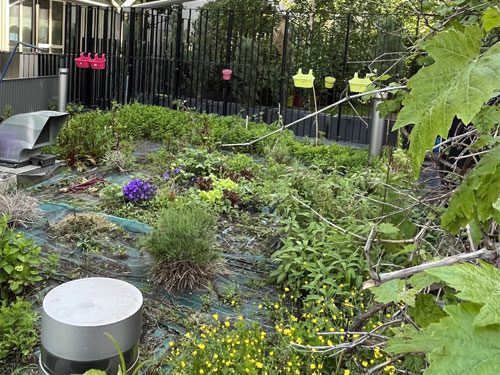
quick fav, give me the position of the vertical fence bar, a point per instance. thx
(88, 47)
(130, 79)
(284, 68)
(177, 59)
(205, 63)
(228, 58)
(344, 71)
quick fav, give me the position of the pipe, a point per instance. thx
(62, 97)
(377, 125)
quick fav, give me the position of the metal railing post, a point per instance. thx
(377, 127)
(344, 70)
(62, 97)
(130, 57)
(178, 55)
(229, 38)
(284, 68)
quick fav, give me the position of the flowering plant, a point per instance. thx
(171, 173)
(138, 190)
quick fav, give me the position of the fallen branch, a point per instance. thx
(345, 345)
(368, 245)
(374, 369)
(363, 318)
(448, 261)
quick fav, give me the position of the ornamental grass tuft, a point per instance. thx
(183, 243)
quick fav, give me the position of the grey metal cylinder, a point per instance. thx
(75, 317)
(377, 127)
(62, 96)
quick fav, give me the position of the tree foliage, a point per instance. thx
(480, 285)
(477, 197)
(459, 82)
(454, 345)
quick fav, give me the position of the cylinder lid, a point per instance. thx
(93, 301)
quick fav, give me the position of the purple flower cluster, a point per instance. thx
(137, 190)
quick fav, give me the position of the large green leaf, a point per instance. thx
(426, 310)
(487, 118)
(453, 346)
(459, 82)
(491, 18)
(480, 285)
(395, 291)
(476, 196)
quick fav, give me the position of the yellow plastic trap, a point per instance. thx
(357, 84)
(329, 82)
(305, 81)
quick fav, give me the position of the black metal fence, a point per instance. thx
(176, 54)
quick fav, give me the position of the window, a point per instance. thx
(57, 23)
(50, 24)
(43, 22)
(27, 21)
(14, 22)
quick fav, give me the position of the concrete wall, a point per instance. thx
(28, 94)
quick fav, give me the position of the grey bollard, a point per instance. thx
(377, 126)
(62, 97)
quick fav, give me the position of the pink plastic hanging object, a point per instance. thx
(98, 63)
(226, 74)
(83, 61)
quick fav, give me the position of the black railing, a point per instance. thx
(176, 54)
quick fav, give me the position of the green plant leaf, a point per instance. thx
(426, 310)
(453, 346)
(490, 19)
(476, 195)
(395, 291)
(459, 82)
(94, 372)
(422, 280)
(388, 229)
(480, 285)
(486, 119)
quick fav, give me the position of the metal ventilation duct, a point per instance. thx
(22, 136)
(74, 318)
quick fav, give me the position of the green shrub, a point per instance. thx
(315, 256)
(86, 137)
(183, 243)
(237, 162)
(111, 196)
(153, 122)
(17, 329)
(200, 162)
(330, 158)
(20, 261)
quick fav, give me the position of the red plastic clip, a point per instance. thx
(98, 63)
(83, 61)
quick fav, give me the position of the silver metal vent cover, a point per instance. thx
(22, 136)
(74, 318)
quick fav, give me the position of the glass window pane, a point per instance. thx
(43, 22)
(27, 20)
(57, 22)
(14, 22)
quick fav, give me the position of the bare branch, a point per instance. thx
(368, 245)
(448, 261)
(345, 231)
(347, 98)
